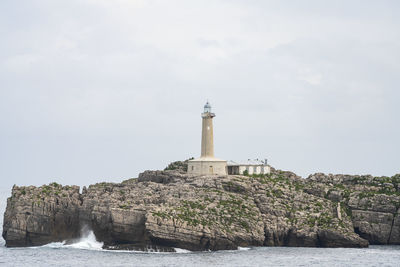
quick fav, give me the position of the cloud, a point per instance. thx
(102, 89)
(313, 78)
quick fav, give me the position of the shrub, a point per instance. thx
(178, 165)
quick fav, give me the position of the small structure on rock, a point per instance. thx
(207, 163)
(250, 166)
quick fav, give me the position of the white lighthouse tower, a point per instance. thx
(207, 163)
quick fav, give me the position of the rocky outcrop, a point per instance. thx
(36, 216)
(372, 202)
(165, 209)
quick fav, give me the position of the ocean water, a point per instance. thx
(88, 252)
(81, 254)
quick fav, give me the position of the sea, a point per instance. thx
(87, 251)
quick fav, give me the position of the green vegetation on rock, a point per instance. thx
(229, 211)
(178, 165)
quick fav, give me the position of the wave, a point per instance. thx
(52, 245)
(87, 241)
(181, 250)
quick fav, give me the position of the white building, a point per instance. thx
(251, 166)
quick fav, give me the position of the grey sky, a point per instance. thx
(95, 90)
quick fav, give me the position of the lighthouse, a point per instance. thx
(207, 135)
(207, 164)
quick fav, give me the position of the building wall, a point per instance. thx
(266, 170)
(200, 167)
(253, 169)
(242, 169)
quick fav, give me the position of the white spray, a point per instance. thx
(86, 241)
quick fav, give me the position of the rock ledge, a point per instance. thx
(166, 209)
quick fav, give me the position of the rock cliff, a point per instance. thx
(166, 209)
(40, 215)
(372, 202)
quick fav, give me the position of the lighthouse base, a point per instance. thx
(207, 166)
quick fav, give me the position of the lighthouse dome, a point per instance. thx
(207, 107)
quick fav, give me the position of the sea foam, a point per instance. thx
(87, 241)
(181, 250)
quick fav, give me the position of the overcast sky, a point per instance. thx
(100, 90)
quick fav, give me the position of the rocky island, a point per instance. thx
(172, 209)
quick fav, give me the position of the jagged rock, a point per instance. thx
(163, 177)
(330, 238)
(377, 202)
(395, 232)
(373, 226)
(372, 202)
(164, 209)
(37, 216)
